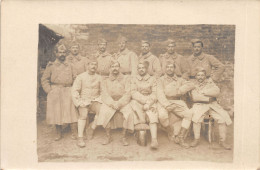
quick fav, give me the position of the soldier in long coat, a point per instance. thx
(143, 91)
(154, 68)
(86, 92)
(182, 69)
(206, 61)
(56, 81)
(116, 98)
(170, 88)
(204, 98)
(128, 59)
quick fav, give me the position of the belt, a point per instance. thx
(202, 102)
(173, 98)
(61, 85)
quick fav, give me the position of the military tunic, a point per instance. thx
(56, 82)
(143, 91)
(79, 64)
(128, 61)
(104, 61)
(207, 62)
(203, 97)
(154, 68)
(169, 92)
(116, 89)
(181, 70)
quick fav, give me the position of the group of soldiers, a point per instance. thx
(147, 90)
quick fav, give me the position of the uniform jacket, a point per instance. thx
(206, 61)
(201, 96)
(181, 70)
(104, 61)
(86, 88)
(128, 61)
(79, 64)
(169, 88)
(154, 68)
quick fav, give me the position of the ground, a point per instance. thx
(66, 149)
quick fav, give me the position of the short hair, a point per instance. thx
(74, 43)
(145, 42)
(101, 40)
(194, 41)
(200, 69)
(170, 41)
(122, 39)
(171, 62)
(112, 62)
(92, 59)
(145, 63)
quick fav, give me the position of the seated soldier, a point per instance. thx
(170, 88)
(86, 97)
(204, 99)
(143, 91)
(116, 96)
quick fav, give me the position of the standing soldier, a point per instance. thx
(128, 59)
(143, 91)
(170, 88)
(206, 61)
(56, 82)
(154, 68)
(79, 63)
(204, 98)
(116, 97)
(171, 55)
(103, 58)
(86, 97)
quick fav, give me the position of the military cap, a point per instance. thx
(114, 61)
(61, 47)
(122, 39)
(170, 41)
(200, 69)
(170, 62)
(193, 41)
(145, 63)
(101, 40)
(74, 43)
(92, 59)
(145, 42)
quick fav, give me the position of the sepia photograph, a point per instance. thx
(135, 92)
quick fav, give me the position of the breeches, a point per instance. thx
(216, 116)
(93, 107)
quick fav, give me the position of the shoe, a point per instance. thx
(81, 142)
(180, 139)
(171, 137)
(90, 133)
(73, 136)
(107, 140)
(124, 141)
(154, 144)
(58, 137)
(224, 145)
(58, 134)
(195, 143)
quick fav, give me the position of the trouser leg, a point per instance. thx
(153, 130)
(58, 135)
(81, 125)
(73, 127)
(196, 131)
(108, 138)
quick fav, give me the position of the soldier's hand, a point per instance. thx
(146, 107)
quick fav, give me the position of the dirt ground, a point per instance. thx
(66, 149)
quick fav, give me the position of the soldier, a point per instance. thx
(204, 98)
(86, 97)
(143, 91)
(128, 59)
(79, 63)
(56, 82)
(170, 88)
(103, 58)
(200, 59)
(116, 96)
(154, 63)
(171, 55)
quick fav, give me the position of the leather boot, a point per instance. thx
(108, 138)
(154, 144)
(124, 141)
(180, 138)
(170, 133)
(58, 134)
(195, 143)
(90, 133)
(73, 127)
(81, 142)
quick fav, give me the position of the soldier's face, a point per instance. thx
(74, 50)
(92, 66)
(145, 48)
(102, 47)
(115, 68)
(170, 69)
(171, 48)
(61, 54)
(200, 76)
(142, 70)
(122, 45)
(197, 48)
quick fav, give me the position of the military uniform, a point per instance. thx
(181, 64)
(116, 89)
(204, 98)
(104, 60)
(56, 82)
(206, 61)
(128, 61)
(169, 92)
(143, 91)
(154, 68)
(79, 64)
